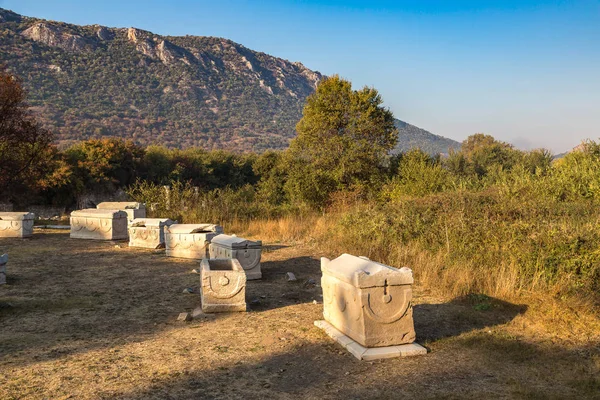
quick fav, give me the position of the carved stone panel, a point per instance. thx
(223, 285)
(190, 240)
(247, 252)
(99, 224)
(367, 301)
(16, 224)
(148, 232)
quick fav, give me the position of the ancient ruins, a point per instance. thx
(247, 252)
(16, 224)
(133, 209)
(148, 232)
(223, 285)
(190, 240)
(98, 224)
(368, 301)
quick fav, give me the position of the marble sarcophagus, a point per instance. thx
(190, 240)
(98, 224)
(148, 232)
(133, 209)
(247, 252)
(222, 285)
(3, 262)
(368, 301)
(16, 224)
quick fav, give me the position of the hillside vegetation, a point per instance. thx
(93, 81)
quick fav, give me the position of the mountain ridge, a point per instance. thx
(180, 91)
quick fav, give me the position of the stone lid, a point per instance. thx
(364, 273)
(121, 205)
(3, 259)
(234, 242)
(154, 222)
(16, 216)
(195, 228)
(95, 213)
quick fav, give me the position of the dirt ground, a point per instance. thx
(86, 319)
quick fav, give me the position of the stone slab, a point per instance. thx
(372, 353)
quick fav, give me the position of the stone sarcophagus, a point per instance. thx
(368, 301)
(99, 224)
(190, 240)
(133, 209)
(148, 232)
(222, 285)
(247, 252)
(16, 224)
(3, 262)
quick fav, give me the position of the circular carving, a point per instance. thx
(387, 298)
(223, 281)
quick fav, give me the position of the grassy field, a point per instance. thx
(87, 319)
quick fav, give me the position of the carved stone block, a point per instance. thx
(3, 262)
(99, 224)
(222, 285)
(368, 301)
(133, 209)
(247, 252)
(148, 232)
(190, 240)
(16, 224)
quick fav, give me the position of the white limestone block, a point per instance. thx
(148, 232)
(190, 240)
(98, 224)
(368, 301)
(133, 209)
(16, 224)
(222, 285)
(247, 252)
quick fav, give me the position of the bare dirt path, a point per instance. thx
(85, 319)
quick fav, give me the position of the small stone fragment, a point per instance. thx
(184, 316)
(117, 246)
(196, 271)
(290, 276)
(188, 290)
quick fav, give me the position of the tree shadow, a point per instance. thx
(463, 314)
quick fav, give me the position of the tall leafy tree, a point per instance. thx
(343, 138)
(25, 147)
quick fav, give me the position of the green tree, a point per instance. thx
(343, 139)
(25, 147)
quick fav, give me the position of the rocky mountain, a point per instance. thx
(410, 137)
(93, 81)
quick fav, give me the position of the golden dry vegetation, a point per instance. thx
(86, 320)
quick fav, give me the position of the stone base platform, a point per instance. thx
(372, 353)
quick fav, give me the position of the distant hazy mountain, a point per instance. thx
(410, 137)
(95, 81)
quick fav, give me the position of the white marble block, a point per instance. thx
(247, 252)
(148, 232)
(133, 209)
(190, 240)
(16, 224)
(99, 224)
(3, 262)
(223, 285)
(368, 301)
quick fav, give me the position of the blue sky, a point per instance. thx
(527, 72)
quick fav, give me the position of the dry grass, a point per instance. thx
(88, 320)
